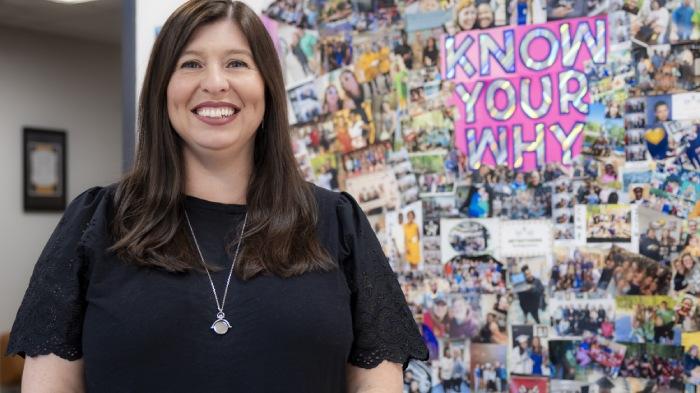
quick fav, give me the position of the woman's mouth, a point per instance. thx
(216, 115)
(216, 112)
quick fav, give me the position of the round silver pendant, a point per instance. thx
(221, 326)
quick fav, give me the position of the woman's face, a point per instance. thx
(331, 95)
(614, 109)
(466, 18)
(687, 304)
(459, 308)
(431, 43)
(350, 85)
(440, 310)
(216, 95)
(688, 262)
(484, 15)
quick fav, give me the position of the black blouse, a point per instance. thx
(146, 330)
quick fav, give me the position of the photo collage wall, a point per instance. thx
(532, 170)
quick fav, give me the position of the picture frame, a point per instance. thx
(44, 155)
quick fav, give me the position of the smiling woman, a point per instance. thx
(136, 289)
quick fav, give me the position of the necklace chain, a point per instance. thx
(240, 240)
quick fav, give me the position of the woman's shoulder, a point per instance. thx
(89, 210)
(92, 199)
(94, 194)
(339, 215)
(329, 201)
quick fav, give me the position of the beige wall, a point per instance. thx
(61, 83)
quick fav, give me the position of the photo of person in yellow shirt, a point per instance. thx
(412, 240)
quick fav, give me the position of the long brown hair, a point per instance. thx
(149, 227)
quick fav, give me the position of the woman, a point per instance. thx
(411, 233)
(691, 276)
(121, 297)
(436, 318)
(431, 53)
(537, 356)
(491, 331)
(354, 94)
(521, 362)
(465, 15)
(485, 18)
(691, 365)
(331, 100)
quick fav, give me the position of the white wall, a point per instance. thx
(59, 83)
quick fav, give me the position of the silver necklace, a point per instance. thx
(220, 325)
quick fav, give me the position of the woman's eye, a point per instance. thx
(189, 64)
(237, 63)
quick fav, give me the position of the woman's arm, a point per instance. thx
(51, 373)
(387, 377)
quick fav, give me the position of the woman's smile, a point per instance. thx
(216, 113)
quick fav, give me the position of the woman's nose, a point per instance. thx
(214, 80)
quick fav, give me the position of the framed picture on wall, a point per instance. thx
(45, 183)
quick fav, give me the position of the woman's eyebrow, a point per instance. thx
(228, 52)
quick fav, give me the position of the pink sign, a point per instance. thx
(521, 92)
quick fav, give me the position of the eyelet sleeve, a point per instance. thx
(383, 325)
(50, 317)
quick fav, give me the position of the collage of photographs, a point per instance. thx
(577, 275)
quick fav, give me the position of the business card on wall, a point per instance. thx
(525, 238)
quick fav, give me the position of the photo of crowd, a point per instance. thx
(600, 354)
(662, 363)
(580, 270)
(652, 319)
(609, 223)
(470, 237)
(574, 318)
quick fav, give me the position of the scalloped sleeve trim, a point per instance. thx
(383, 325)
(50, 317)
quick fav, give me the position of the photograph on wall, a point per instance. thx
(580, 271)
(637, 274)
(374, 191)
(648, 319)
(528, 351)
(298, 54)
(452, 370)
(45, 179)
(468, 237)
(660, 235)
(405, 228)
(488, 367)
(494, 317)
(572, 318)
(609, 224)
(478, 275)
(305, 102)
(659, 363)
(522, 384)
(526, 278)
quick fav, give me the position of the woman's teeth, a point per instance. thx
(216, 112)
